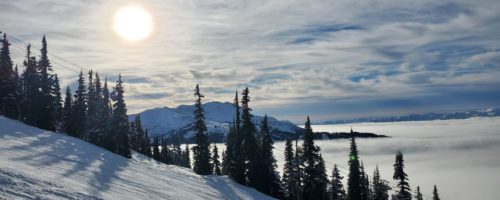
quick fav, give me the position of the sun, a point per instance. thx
(133, 23)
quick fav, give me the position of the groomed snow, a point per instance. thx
(37, 164)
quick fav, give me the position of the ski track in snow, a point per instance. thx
(38, 164)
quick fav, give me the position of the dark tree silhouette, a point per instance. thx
(201, 152)
(402, 178)
(353, 181)
(337, 191)
(435, 195)
(119, 122)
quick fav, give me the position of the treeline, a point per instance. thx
(248, 159)
(92, 113)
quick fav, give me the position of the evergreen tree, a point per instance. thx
(7, 86)
(46, 106)
(418, 194)
(67, 113)
(187, 158)
(103, 128)
(176, 154)
(201, 152)
(353, 181)
(79, 116)
(156, 150)
(18, 95)
(270, 179)
(223, 167)
(315, 181)
(30, 88)
(165, 153)
(57, 104)
(298, 173)
(92, 111)
(215, 161)
(142, 142)
(288, 171)
(250, 145)
(380, 187)
(147, 145)
(119, 122)
(337, 191)
(402, 177)
(435, 195)
(365, 183)
(234, 161)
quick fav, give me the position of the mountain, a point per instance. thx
(490, 112)
(176, 122)
(39, 164)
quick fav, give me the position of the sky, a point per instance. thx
(327, 59)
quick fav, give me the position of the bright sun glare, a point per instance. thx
(133, 23)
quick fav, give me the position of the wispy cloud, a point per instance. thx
(290, 53)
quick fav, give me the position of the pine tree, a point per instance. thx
(176, 154)
(298, 173)
(119, 122)
(435, 195)
(270, 179)
(68, 112)
(288, 171)
(7, 87)
(57, 104)
(103, 128)
(156, 150)
(92, 111)
(353, 181)
(402, 177)
(337, 191)
(250, 145)
(201, 152)
(365, 184)
(380, 187)
(141, 143)
(314, 174)
(46, 108)
(147, 145)
(18, 94)
(165, 153)
(187, 158)
(418, 194)
(30, 88)
(234, 161)
(79, 116)
(215, 161)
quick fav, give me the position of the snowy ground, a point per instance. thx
(462, 157)
(36, 164)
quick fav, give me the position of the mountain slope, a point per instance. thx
(177, 121)
(38, 164)
(490, 112)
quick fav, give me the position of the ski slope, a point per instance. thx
(38, 164)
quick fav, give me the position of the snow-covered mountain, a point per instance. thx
(490, 112)
(177, 122)
(38, 164)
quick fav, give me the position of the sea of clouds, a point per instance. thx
(460, 156)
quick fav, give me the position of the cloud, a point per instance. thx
(285, 51)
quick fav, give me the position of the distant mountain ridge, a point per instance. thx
(490, 112)
(176, 122)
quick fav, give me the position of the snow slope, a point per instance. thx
(218, 116)
(38, 164)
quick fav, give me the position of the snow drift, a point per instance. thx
(38, 164)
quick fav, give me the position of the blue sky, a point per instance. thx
(328, 59)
